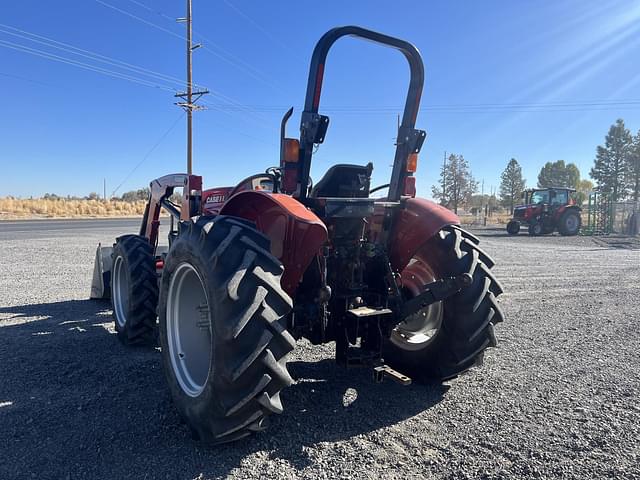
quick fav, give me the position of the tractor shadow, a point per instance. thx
(73, 399)
(330, 404)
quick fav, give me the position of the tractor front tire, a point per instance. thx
(467, 319)
(134, 290)
(536, 229)
(569, 223)
(223, 328)
(513, 227)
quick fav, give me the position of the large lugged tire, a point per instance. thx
(536, 229)
(513, 227)
(222, 328)
(570, 222)
(134, 290)
(461, 327)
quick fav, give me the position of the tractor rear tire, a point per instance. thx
(569, 223)
(134, 290)
(223, 328)
(513, 227)
(467, 318)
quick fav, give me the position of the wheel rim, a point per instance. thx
(571, 223)
(120, 291)
(418, 330)
(189, 329)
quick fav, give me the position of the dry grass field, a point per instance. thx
(16, 208)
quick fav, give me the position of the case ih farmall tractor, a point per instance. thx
(394, 281)
(546, 210)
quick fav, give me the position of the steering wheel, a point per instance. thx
(379, 187)
(238, 187)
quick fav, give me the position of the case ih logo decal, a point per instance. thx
(215, 198)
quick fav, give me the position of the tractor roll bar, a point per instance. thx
(313, 126)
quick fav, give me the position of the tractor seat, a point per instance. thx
(344, 181)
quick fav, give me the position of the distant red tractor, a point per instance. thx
(546, 210)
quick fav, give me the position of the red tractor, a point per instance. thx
(394, 281)
(546, 210)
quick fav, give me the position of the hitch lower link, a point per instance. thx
(382, 371)
(433, 292)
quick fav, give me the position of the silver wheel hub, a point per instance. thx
(418, 330)
(572, 222)
(189, 329)
(120, 291)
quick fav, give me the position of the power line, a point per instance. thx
(590, 105)
(256, 24)
(148, 154)
(230, 105)
(208, 41)
(214, 93)
(83, 65)
(49, 42)
(234, 61)
(25, 79)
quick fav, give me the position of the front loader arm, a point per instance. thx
(161, 189)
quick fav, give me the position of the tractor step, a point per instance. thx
(382, 371)
(364, 312)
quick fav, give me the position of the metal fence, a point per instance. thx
(625, 217)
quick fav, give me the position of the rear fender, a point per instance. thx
(296, 233)
(419, 221)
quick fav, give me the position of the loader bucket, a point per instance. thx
(101, 281)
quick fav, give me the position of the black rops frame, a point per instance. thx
(313, 126)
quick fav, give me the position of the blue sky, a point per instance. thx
(538, 81)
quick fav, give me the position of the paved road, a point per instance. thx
(558, 399)
(8, 228)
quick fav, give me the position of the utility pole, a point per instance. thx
(104, 189)
(189, 103)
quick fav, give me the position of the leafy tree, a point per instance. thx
(511, 184)
(456, 184)
(633, 168)
(557, 174)
(135, 195)
(583, 189)
(611, 165)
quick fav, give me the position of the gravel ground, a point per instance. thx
(558, 399)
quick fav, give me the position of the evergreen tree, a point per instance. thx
(611, 165)
(557, 174)
(456, 184)
(511, 184)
